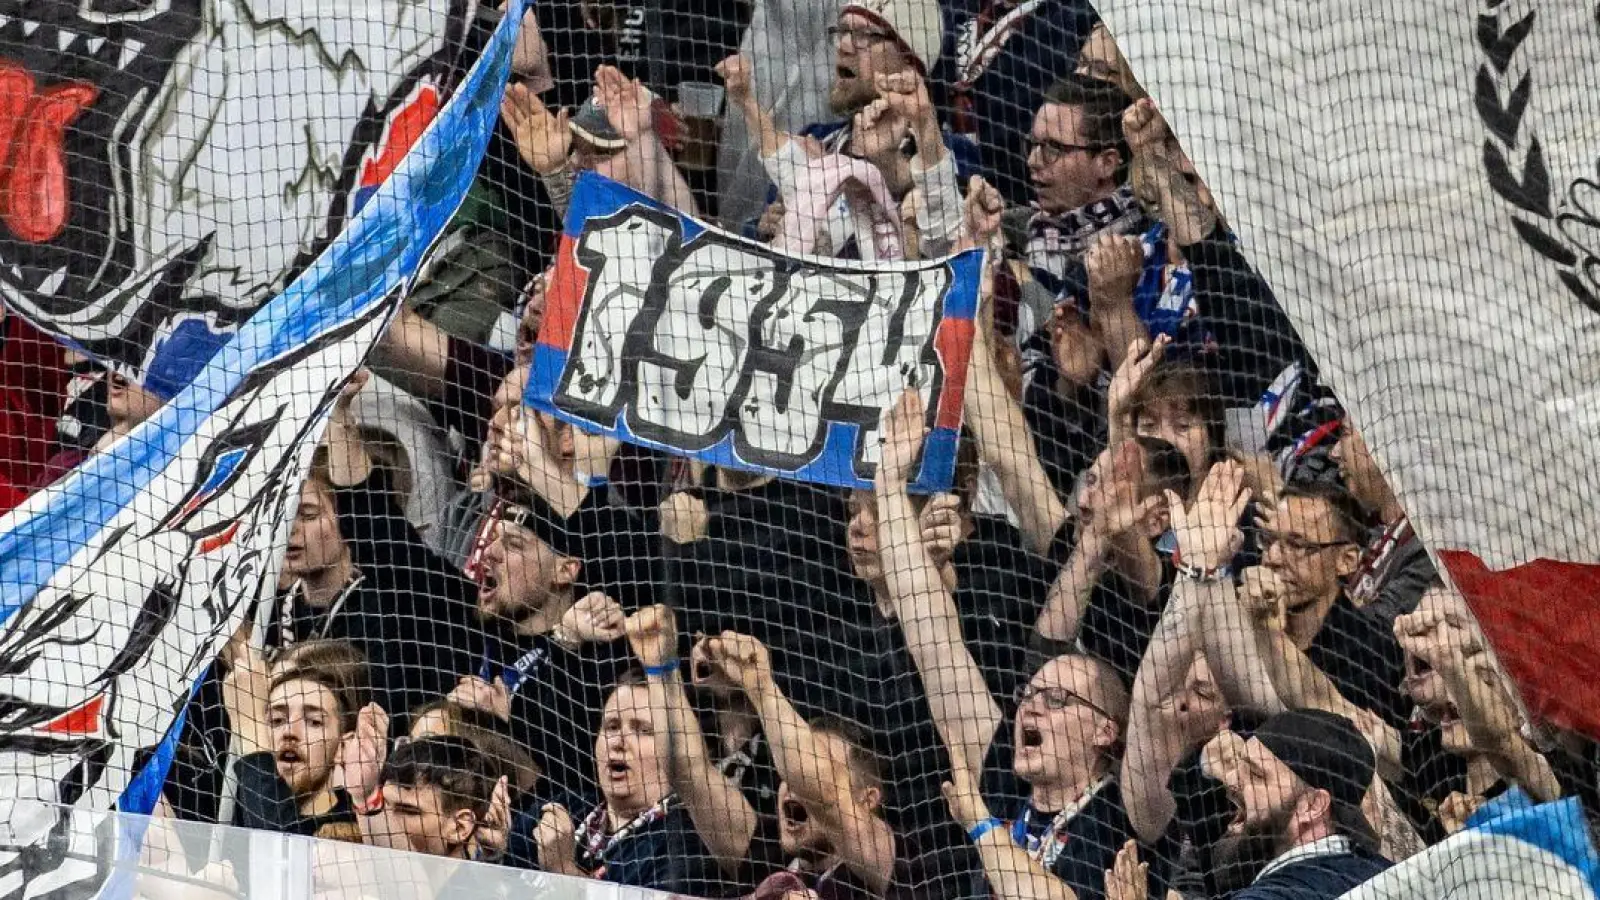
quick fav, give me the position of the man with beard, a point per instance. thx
(288, 733)
(1301, 780)
(641, 834)
(882, 47)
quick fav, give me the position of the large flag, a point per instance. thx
(1510, 848)
(1419, 183)
(667, 332)
(171, 166)
(119, 583)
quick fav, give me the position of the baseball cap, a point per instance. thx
(1327, 752)
(593, 125)
(919, 24)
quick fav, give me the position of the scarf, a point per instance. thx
(594, 843)
(1055, 242)
(1046, 848)
(840, 204)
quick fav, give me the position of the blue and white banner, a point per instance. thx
(664, 331)
(1510, 848)
(119, 584)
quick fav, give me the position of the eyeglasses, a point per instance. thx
(1050, 151)
(859, 37)
(1294, 543)
(1056, 698)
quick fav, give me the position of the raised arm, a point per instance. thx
(348, 461)
(1442, 634)
(1013, 874)
(1118, 512)
(1158, 732)
(821, 782)
(1298, 681)
(1208, 539)
(1004, 442)
(721, 814)
(963, 710)
(1160, 164)
(738, 77)
(414, 355)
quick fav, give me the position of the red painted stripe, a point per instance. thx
(565, 298)
(953, 343)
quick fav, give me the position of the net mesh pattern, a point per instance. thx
(776, 449)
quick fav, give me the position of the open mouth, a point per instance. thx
(794, 814)
(288, 757)
(488, 585)
(617, 770)
(76, 80)
(1032, 737)
(842, 72)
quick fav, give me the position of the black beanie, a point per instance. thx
(1325, 750)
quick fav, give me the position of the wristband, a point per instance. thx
(983, 828)
(1202, 574)
(660, 671)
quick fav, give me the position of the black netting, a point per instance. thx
(790, 449)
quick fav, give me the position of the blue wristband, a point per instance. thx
(660, 671)
(983, 828)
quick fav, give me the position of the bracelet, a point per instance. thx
(1202, 574)
(664, 671)
(983, 828)
(1199, 573)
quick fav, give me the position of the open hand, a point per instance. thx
(363, 752)
(1127, 879)
(542, 138)
(626, 102)
(1143, 355)
(1208, 532)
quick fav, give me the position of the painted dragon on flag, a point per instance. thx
(119, 584)
(167, 161)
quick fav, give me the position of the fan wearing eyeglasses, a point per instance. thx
(1312, 543)
(1054, 770)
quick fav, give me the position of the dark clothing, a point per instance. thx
(773, 565)
(1316, 878)
(1000, 589)
(840, 882)
(998, 60)
(556, 697)
(265, 802)
(1359, 654)
(665, 855)
(1088, 841)
(410, 613)
(1254, 338)
(1393, 574)
(472, 375)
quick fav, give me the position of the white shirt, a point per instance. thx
(1332, 845)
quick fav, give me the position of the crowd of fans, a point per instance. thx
(1166, 638)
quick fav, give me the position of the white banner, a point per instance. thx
(1418, 182)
